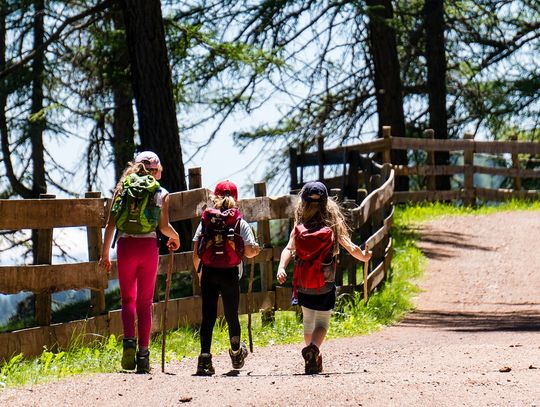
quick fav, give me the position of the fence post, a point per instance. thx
(266, 268)
(364, 230)
(377, 219)
(293, 168)
(348, 261)
(468, 172)
(194, 182)
(320, 156)
(515, 165)
(387, 153)
(43, 309)
(431, 185)
(95, 243)
(352, 177)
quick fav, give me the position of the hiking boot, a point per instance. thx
(143, 361)
(313, 361)
(204, 365)
(239, 356)
(128, 355)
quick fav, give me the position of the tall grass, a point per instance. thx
(386, 306)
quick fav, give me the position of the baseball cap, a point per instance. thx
(226, 188)
(150, 161)
(314, 191)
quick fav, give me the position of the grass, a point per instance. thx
(386, 306)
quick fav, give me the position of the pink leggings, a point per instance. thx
(137, 261)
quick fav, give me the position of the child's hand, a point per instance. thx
(367, 254)
(281, 275)
(105, 264)
(173, 243)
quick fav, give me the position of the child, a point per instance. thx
(137, 259)
(219, 243)
(319, 230)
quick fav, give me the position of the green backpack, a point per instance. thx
(134, 208)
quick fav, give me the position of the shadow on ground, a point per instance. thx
(528, 321)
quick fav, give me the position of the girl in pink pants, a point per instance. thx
(137, 270)
(137, 261)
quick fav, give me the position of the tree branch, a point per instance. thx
(55, 35)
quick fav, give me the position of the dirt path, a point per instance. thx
(479, 314)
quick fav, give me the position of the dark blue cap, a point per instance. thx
(314, 191)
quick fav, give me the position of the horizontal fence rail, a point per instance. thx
(357, 168)
(370, 219)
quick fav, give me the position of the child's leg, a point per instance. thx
(210, 295)
(230, 294)
(127, 266)
(146, 282)
(315, 326)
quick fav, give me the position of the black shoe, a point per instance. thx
(128, 355)
(204, 365)
(313, 361)
(238, 357)
(143, 361)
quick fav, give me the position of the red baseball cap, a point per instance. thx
(226, 188)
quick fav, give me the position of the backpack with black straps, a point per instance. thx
(220, 244)
(135, 209)
(314, 263)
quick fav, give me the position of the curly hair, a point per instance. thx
(327, 213)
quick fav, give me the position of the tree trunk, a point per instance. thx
(37, 119)
(123, 119)
(152, 88)
(16, 185)
(3, 101)
(436, 80)
(386, 73)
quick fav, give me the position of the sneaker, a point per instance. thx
(239, 356)
(204, 365)
(143, 361)
(313, 361)
(128, 355)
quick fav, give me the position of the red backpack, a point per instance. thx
(221, 245)
(313, 247)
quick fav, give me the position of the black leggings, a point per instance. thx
(216, 281)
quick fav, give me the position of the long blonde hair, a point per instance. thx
(223, 202)
(326, 213)
(132, 168)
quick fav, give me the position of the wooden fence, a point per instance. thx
(356, 168)
(370, 219)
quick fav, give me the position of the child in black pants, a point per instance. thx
(220, 241)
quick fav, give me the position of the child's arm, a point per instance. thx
(251, 248)
(285, 258)
(166, 228)
(104, 261)
(196, 259)
(355, 250)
